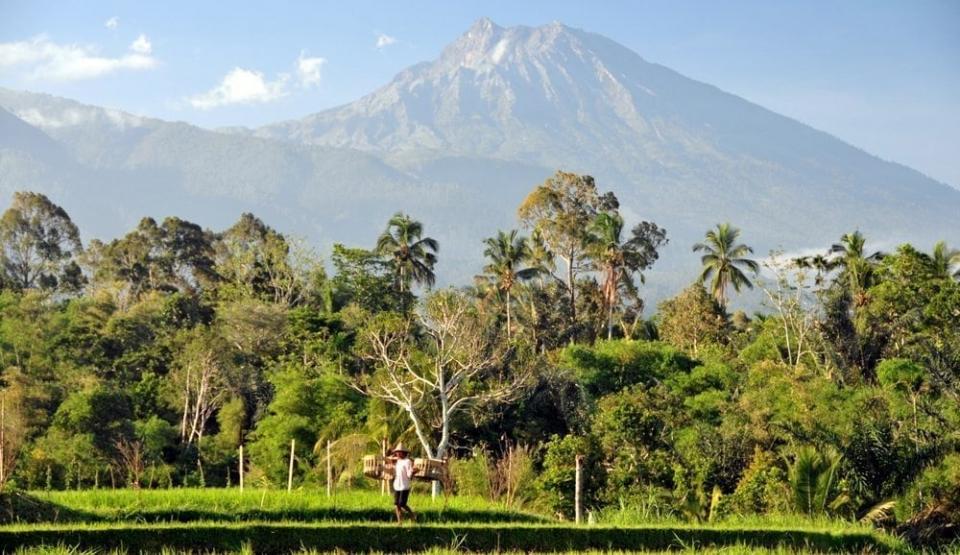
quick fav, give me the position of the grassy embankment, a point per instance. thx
(277, 522)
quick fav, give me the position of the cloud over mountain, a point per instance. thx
(42, 59)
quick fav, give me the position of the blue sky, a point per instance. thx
(882, 75)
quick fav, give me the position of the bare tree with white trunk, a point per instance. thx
(202, 377)
(440, 363)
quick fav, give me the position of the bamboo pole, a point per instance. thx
(293, 443)
(578, 485)
(329, 472)
(241, 468)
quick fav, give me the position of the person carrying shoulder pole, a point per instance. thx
(402, 475)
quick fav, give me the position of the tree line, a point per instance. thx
(146, 361)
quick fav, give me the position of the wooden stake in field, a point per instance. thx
(578, 486)
(241, 468)
(383, 483)
(3, 413)
(293, 443)
(329, 471)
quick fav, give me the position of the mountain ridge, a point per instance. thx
(459, 140)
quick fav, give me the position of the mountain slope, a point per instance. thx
(674, 149)
(458, 141)
(129, 167)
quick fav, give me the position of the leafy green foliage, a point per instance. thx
(187, 344)
(610, 366)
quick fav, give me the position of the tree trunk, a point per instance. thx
(508, 315)
(573, 294)
(609, 320)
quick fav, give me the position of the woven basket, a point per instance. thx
(430, 469)
(373, 466)
(378, 467)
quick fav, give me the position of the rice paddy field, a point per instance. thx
(271, 521)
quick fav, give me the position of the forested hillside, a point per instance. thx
(147, 361)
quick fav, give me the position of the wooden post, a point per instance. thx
(383, 483)
(329, 472)
(293, 443)
(241, 468)
(3, 412)
(578, 485)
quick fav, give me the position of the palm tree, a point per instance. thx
(944, 259)
(507, 253)
(610, 258)
(857, 267)
(618, 261)
(815, 481)
(723, 260)
(412, 254)
(820, 263)
(540, 256)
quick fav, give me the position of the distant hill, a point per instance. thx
(459, 141)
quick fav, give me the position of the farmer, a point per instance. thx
(403, 474)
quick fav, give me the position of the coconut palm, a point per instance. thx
(820, 263)
(413, 255)
(850, 255)
(945, 259)
(723, 261)
(617, 260)
(540, 256)
(507, 253)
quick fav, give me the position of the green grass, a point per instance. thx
(271, 521)
(187, 505)
(739, 549)
(274, 537)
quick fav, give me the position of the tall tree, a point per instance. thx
(945, 260)
(723, 261)
(507, 253)
(617, 260)
(857, 268)
(413, 255)
(253, 259)
(560, 210)
(38, 241)
(171, 256)
(435, 368)
(691, 319)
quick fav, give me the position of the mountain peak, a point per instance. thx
(483, 25)
(486, 44)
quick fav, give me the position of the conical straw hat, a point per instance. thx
(400, 449)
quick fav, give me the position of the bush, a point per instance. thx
(472, 476)
(931, 505)
(558, 479)
(763, 487)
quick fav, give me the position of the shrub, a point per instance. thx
(763, 487)
(558, 478)
(472, 476)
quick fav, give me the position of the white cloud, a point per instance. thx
(47, 60)
(248, 86)
(141, 45)
(241, 86)
(384, 40)
(112, 23)
(308, 70)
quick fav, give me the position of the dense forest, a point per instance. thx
(147, 361)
